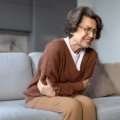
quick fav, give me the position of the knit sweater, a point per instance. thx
(57, 64)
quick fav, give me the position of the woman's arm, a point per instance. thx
(49, 90)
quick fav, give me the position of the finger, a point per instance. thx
(40, 84)
(48, 82)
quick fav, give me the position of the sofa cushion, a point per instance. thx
(16, 110)
(35, 56)
(107, 108)
(15, 74)
(101, 84)
(113, 71)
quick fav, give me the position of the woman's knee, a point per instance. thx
(88, 101)
(71, 109)
(85, 100)
(72, 105)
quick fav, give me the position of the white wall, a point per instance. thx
(108, 46)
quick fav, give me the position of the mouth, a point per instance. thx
(88, 42)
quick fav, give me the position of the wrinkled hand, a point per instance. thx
(86, 83)
(47, 90)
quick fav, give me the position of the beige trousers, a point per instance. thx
(71, 108)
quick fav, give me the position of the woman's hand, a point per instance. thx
(47, 90)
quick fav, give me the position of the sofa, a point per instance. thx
(16, 71)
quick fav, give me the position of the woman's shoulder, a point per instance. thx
(57, 43)
(55, 46)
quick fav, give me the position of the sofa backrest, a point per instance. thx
(17, 69)
(113, 71)
(15, 74)
(35, 56)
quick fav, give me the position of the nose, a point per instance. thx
(91, 34)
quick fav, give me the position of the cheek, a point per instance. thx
(80, 35)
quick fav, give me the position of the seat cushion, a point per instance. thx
(16, 110)
(15, 74)
(108, 108)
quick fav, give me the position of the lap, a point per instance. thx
(57, 103)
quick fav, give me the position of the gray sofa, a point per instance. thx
(16, 71)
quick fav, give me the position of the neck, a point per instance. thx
(74, 46)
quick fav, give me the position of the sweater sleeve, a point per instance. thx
(49, 66)
(70, 88)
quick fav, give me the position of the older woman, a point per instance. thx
(65, 68)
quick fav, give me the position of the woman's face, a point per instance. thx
(85, 33)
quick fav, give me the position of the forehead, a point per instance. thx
(87, 21)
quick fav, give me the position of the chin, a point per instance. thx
(86, 46)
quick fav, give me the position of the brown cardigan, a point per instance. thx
(57, 64)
